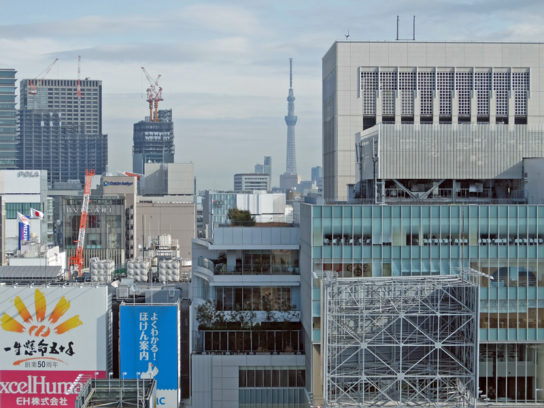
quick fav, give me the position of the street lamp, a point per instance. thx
(138, 389)
(122, 389)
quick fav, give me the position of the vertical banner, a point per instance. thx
(24, 232)
(149, 347)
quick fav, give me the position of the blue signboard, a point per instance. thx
(149, 344)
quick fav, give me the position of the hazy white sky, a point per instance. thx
(225, 65)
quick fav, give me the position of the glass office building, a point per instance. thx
(503, 242)
(8, 120)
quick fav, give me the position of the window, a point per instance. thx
(24, 208)
(407, 87)
(271, 377)
(388, 87)
(425, 85)
(369, 86)
(501, 86)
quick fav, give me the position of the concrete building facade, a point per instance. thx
(167, 179)
(416, 83)
(154, 216)
(247, 182)
(247, 348)
(22, 190)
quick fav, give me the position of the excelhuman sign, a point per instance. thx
(51, 343)
(149, 348)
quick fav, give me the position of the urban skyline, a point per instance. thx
(232, 104)
(414, 275)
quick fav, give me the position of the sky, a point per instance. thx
(225, 65)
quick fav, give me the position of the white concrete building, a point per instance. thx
(247, 342)
(420, 83)
(251, 182)
(167, 179)
(22, 190)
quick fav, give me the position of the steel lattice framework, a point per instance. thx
(400, 342)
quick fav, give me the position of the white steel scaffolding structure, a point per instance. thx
(400, 342)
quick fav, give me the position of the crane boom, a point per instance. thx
(154, 95)
(33, 85)
(76, 261)
(78, 89)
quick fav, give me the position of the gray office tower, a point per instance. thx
(153, 141)
(8, 120)
(60, 131)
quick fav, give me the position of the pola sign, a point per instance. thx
(51, 343)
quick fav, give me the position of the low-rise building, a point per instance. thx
(247, 323)
(251, 182)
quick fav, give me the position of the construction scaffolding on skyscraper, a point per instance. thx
(404, 341)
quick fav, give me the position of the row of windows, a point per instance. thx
(273, 398)
(253, 341)
(436, 239)
(512, 274)
(426, 82)
(24, 208)
(260, 298)
(271, 377)
(511, 372)
(529, 320)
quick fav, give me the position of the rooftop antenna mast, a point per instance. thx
(413, 30)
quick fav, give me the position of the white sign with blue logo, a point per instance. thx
(149, 340)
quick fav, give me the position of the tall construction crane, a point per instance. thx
(154, 95)
(76, 261)
(78, 89)
(34, 83)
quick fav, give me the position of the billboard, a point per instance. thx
(149, 347)
(52, 339)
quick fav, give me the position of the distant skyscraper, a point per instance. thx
(265, 168)
(8, 120)
(291, 121)
(59, 131)
(153, 141)
(317, 176)
(317, 173)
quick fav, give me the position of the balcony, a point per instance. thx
(262, 269)
(251, 342)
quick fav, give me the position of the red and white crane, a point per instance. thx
(34, 83)
(76, 261)
(154, 95)
(78, 89)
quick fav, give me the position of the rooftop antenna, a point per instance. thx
(347, 35)
(290, 72)
(413, 30)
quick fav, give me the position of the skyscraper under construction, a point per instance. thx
(60, 128)
(153, 141)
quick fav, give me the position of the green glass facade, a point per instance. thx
(8, 120)
(505, 242)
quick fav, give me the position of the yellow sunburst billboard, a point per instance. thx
(51, 340)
